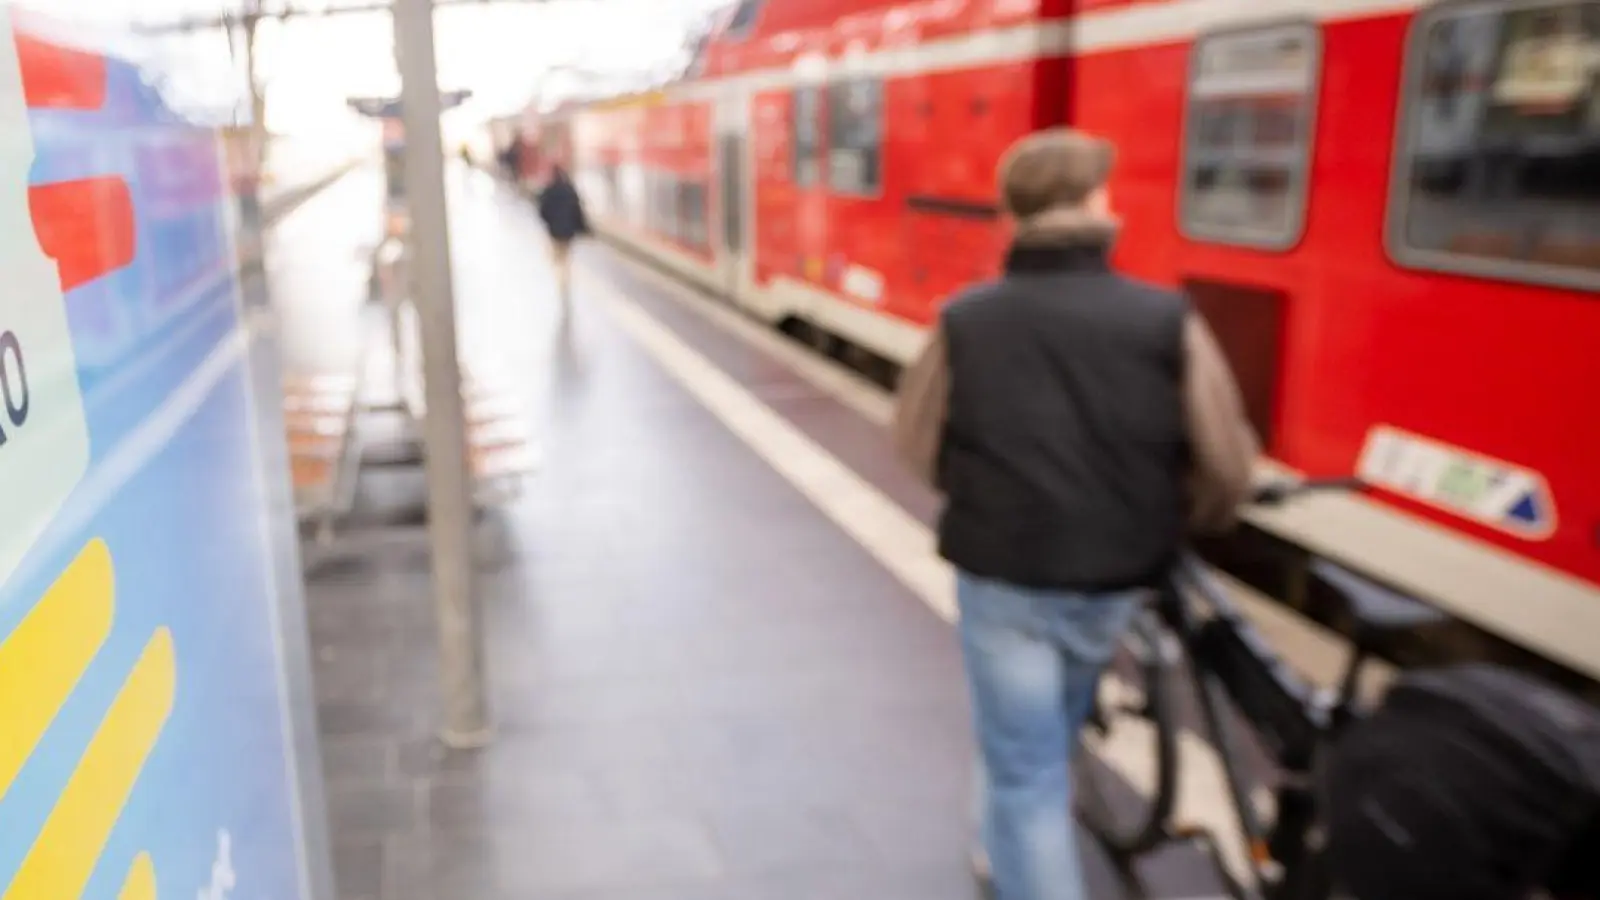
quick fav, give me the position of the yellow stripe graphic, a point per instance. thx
(141, 880)
(60, 862)
(45, 656)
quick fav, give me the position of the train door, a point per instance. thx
(734, 251)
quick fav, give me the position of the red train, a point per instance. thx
(1389, 209)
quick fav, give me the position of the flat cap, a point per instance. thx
(1058, 167)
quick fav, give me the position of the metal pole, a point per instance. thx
(466, 714)
(258, 94)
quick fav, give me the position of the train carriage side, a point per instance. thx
(1381, 261)
(676, 149)
(874, 165)
(1392, 217)
(1387, 210)
(643, 164)
(826, 203)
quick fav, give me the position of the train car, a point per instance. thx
(1388, 209)
(847, 173)
(154, 676)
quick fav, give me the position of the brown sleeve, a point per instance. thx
(1225, 447)
(920, 409)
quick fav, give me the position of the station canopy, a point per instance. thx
(390, 108)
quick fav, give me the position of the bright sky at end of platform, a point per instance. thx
(499, 51)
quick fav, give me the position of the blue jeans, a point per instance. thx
(1033, 659)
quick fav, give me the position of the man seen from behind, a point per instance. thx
(1078, 423)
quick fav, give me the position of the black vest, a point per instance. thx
(1065, 456)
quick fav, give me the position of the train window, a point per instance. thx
(692, 204)
(1248, 136)
(807, 137)
(662, 201)
(632, 194)
(676, 204)
(744, 18)
(1499, 171)
(855, 136)
(671, 206)
(612, 191)
(659, 205)
(650, 199)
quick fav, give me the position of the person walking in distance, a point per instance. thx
(562, 211)
(1078, 422)
(511, 159)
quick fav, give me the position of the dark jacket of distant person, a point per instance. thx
(561, 208)
(511, 157)
(1076, 420)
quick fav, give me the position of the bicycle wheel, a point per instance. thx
(1126, 766)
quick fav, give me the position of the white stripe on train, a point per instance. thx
(1141, 24)
(1177, 20)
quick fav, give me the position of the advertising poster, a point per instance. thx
(147, 738)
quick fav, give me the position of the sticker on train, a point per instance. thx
(44, 436)
(862, 283)
(1498, 494)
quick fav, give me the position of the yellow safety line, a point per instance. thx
(59, 864)
(46, 655)
(141, 881)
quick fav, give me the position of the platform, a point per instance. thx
(720, 658)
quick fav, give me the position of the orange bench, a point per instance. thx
(500, 446)
(319, 417)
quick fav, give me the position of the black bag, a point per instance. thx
(1469, 783)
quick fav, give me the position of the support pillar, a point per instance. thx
(466, 714)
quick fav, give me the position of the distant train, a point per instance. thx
(1388, 209)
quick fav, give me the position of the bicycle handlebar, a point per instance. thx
(1276, 493)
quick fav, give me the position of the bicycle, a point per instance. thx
(1193, 627)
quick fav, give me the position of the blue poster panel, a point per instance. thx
(147, 737)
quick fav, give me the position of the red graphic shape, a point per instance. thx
(56, 77)
(86, 226)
